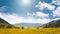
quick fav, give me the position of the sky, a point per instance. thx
(29, 11)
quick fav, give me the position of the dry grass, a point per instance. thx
(31, 31)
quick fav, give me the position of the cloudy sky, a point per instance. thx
(29, 11)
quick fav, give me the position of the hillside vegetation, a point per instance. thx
(53, 24)
(5, 24)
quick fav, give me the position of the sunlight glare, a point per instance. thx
(25, 2)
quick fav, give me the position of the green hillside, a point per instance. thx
(5, 24)
(53, 24)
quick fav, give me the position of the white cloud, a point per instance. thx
(3, 8)
(14, 18)
(44, 20)
(56, 2)
(11, 18)
(56, 19)
(30, 14)
(56, 12)
(41, 14)
(42, 5)
(38, 14)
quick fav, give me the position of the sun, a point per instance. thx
(25, 2)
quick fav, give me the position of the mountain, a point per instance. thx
(5, 24)
(53, 24)
(3, 21)
(28, 25)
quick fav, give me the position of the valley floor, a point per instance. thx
(31, 31)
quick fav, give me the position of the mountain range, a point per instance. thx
(29, 25)
(52, 24)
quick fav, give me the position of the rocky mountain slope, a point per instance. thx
(53, 24)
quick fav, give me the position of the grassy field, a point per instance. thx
(31, 31)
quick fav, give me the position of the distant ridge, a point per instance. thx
(28, 25)
(53, 24)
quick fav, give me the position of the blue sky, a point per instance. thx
(29, 11)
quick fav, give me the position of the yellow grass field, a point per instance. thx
(31, 31)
